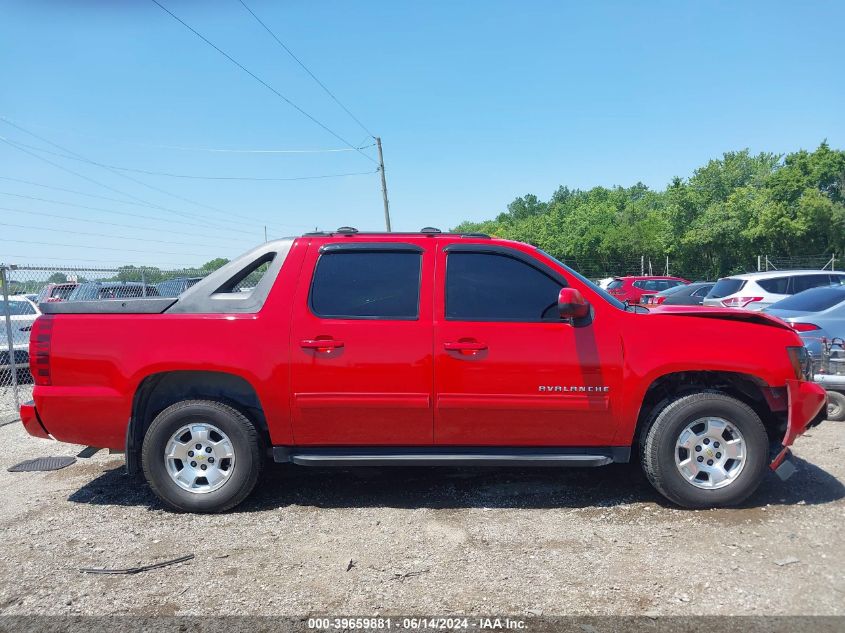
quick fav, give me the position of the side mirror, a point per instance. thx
(571, 304)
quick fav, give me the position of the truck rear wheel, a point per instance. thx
(705, 450)
(835, 406)
(201, 456)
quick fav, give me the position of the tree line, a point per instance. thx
(712, 224)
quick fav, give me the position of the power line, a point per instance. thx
(101, 261)
(139, 204)
(116, 172)
(97, 182)
(105, 248)
(111, 237)
(306, 69)
(258, 79)
(221, 150)
(225, 150)
(76, 156)
(191, 176)
(125, 213)
(104, 223)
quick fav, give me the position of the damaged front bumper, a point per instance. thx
(806, 408)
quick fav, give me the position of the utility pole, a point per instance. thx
(383, 185)
(265, 232)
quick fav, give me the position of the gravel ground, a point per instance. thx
(423, 541)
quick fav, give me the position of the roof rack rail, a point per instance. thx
(347, 230)
(483, 235)
(430, 229)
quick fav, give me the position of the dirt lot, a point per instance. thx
(423, 541)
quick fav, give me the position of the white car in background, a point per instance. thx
(755, 291)
(22, 314)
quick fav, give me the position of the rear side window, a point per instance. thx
(367, 285)
(776, 285)
(725, 287)
(701, 292)
(493, 287)
(805, 282)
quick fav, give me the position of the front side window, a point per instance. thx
(367, 285)
(494, 287)
(805, 282)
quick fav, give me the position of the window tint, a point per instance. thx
(491, 287)
(776, 285)
(805, 282)
(640, 284)
(374, 285)
(616, 283)
(813, 300)
(702, 292)
(725, 287)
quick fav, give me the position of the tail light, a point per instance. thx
(801, 364)
(739, 302)
(39, 349)
(804, 327)
(658, 299)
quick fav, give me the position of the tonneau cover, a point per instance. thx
(140, 305)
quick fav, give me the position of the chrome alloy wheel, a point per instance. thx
(199, 458)
(710, 453)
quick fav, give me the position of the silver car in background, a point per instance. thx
(22, 314)
(755, 291)
(818, 315)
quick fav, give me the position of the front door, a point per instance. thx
(508, 369)
(361, 336)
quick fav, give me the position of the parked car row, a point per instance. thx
(22, 313)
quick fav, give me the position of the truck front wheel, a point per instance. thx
(201, 456)
(705, 450)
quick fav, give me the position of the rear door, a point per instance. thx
(361, 338)
(508, 370)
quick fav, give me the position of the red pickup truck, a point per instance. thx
(417, 348)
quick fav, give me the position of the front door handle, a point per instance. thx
(464, 346)
(320, 343)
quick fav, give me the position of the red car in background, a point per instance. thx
(56, 292)
(632, 288)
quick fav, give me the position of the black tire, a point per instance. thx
(659, 448)
(246, 444)
(835, 406)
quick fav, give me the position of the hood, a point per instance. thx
(726, 314)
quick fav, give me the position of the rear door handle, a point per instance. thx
(320, 343)
(464, 346)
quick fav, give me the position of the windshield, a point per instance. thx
(813, 300)
(613, 285)
(602, 293)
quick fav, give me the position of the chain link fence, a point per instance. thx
(25, 287)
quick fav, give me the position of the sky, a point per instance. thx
(476, 103)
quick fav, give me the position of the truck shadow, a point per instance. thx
(450, 488)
